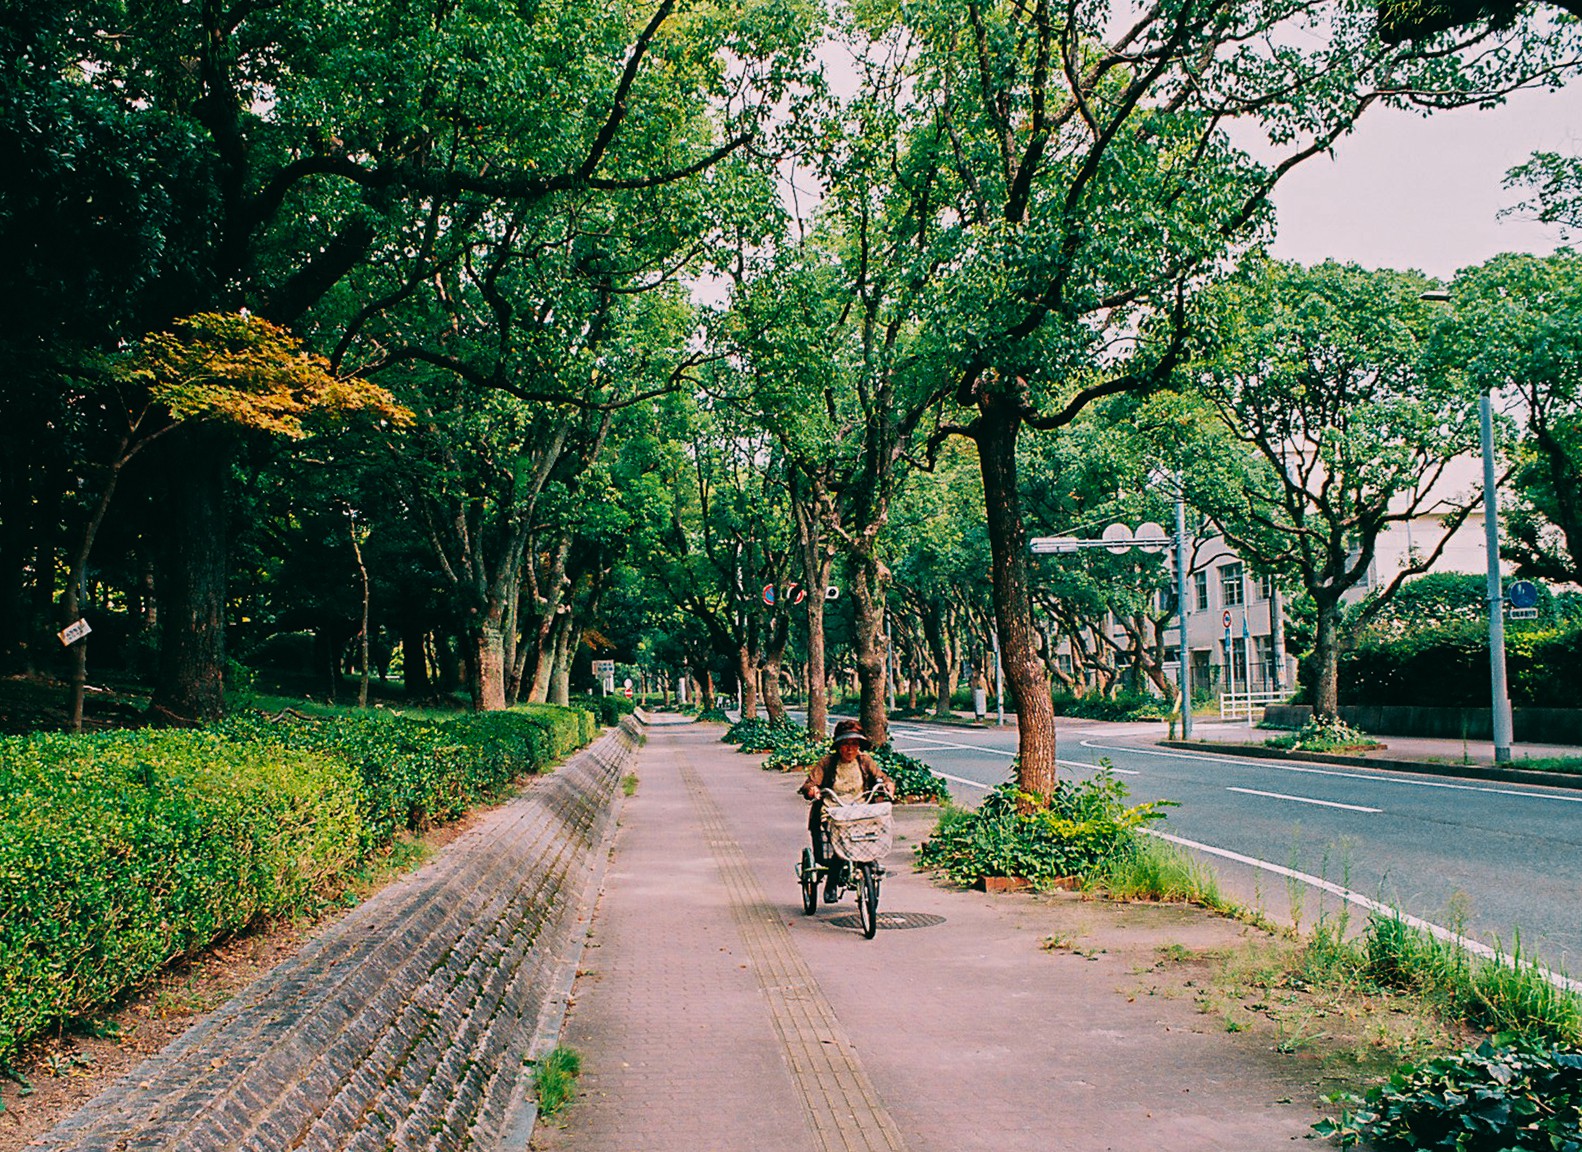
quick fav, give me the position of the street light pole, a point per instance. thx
(1501, 701)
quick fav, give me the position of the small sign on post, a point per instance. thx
(72, 633)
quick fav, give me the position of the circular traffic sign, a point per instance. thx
(1523, 594)
(1118, 532)
(1154, 535)
(1226, 618)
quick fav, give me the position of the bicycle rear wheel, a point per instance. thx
(868, 900)
(808, 873)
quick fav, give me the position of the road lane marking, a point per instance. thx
(1251, 761)
(964, 747)
(1362, 901)
(1095, 767)
(1305, 800)
(964, 780)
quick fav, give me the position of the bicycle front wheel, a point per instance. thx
(868, 900)
(809, 876)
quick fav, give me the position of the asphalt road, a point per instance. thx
(1499, 863)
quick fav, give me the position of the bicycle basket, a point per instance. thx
(860, 832)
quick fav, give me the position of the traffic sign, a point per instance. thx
(1118, 533)
(1226, 619)
(1523, 594)
(769, 593)
(1524, 613)
(627, 691)
(1153, 534)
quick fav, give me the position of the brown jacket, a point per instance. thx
(822, 775)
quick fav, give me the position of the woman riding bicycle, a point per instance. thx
(851, 773)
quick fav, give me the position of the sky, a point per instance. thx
(1407, 192)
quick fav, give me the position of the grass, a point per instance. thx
(555, 1079)
(629, 784)
(1568, 764)
(1162, 872)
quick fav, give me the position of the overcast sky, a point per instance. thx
(1407, 192)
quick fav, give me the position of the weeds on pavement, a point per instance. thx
(555, 1079)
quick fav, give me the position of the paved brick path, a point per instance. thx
(406, 1026)
(713, 1015)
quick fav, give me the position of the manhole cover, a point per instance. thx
(891, 920)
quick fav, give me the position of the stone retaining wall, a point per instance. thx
(408, 1024)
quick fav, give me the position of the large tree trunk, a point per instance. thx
(747, 678)
(189, 687)
(488, 660)
(779, 632)
(997, 431)
(1326, 655)
(867, 594)
(560, 678)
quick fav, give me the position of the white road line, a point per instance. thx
(1095, 767)
(1304, 800)
(1362, 901)
(964, 780)
(968, 747)
(1249, 761)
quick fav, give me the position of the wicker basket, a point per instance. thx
(860, 832)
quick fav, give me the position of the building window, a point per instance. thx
(1200, 588)
(1230, 585)
(1266, 587)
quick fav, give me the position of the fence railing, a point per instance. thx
(1242, 705)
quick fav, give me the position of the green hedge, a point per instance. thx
(1449, 667)
(608, 709)
(1122, 706)
(122, 852)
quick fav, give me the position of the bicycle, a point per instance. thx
(857, 836)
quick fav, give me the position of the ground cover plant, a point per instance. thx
(1325, 734)
(124, 851)
(1086, 827)
(1507, 1093)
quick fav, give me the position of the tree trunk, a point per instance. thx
(996, 435)
(779, 633)
(414, 663)
(815, 573)
(488, 660)
(747, 678)
(867, 594)
(189, 687)
(1326, 655)
(560, 678)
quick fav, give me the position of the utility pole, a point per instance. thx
(1501, 701)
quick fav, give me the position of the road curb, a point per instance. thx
(1421, 767)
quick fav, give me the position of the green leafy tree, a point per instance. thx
(1348, 420)
(1516, 331)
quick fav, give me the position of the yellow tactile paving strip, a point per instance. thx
(844, 1111)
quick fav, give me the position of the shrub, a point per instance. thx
(608, 709)
(1324, 734)
(914, 780)
(715, 715)
(761, 734)
(1449, 667)
(1121, 706)
(1507, 1094)
(120, 853)
(1085, 827)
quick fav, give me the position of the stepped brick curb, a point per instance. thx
(1422, 767)
(408, 1025)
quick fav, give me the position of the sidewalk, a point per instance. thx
(1408, 753)
(711, 1014)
